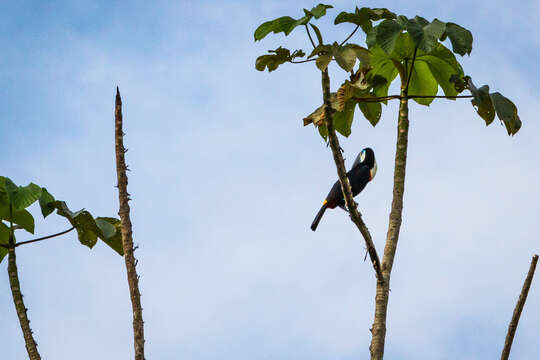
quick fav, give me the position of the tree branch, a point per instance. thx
(15, 286)
(302, 61)
(348, 37)
(398, 97)
(44, 238)
(517, 310)
(342, 174)
(127, 234)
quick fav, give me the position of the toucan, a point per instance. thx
(363, 171)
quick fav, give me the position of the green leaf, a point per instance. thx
(343, 119)
(323, 131)
(443, 65)
(372, 111)
(21, 196)
(382, 67)
(323, 61)
(83, 222)
(362, 54)
(4, 239)
(45, 202)
(422, 83)
(317, 33)
(460, 38)
(20, 217)
(111, 233)
(345, 57)
(371, 38)
(286, 24)
(482, 101)
(364, 16)
(425, 35)
(280, 56)
(387, 34)
(403, 48)
(507, 112)
(319, 10)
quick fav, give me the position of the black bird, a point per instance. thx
(363, 171)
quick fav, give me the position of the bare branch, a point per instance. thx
(342, 174)
(350, 36)
(517, 311)
(310, 38)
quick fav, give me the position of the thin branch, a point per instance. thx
(348, 37)
(393, 97)
(344, 181)
(302, 61)
(127, 233)
(438, 97)
(409, 75)
(45, 237)
(517, 311)
(310, 38)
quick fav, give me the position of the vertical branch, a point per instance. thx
(127, 235)
(31, 346)
(517, 311)
(383, 288)
(344, 181)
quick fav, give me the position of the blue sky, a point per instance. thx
(225, 182)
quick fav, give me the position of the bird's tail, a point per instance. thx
(318, 217)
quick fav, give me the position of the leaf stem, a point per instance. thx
(44, 237)
(301, 61)
(348, 37)
(409, 75)
(393, 97)
(309, 35)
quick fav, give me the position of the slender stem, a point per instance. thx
(344, 181)
(409, 73)
(517, 310)
(383, 288)
(302, 61)
(438, 97)
(393, 97)
(44, 238)
(309, 35)
(30, 343)
(127, 234)
(348, 37)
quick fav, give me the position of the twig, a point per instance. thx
(127, 234)
(517, 311)
(398, 97)
(348, 37)
(310, 38)
(342, 174)
(409, 75)
(44, 238)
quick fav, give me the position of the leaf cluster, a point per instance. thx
(14, 201)
(412, 48)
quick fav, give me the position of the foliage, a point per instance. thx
(14, 200)
(414, 48)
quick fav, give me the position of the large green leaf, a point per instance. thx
(111, 233)
(382, 67)
(425, 35)
(422, 83)
(372, 111)
(4, 239)
(278, 57)
(345, 57)
(460, 38)
(403, 48)
(286, 24)
(387, 34)
(507, 112)
(443, 66)
(20, 217)
(46, 201)
(343, 119)
(21, 196)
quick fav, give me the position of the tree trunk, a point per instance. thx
(31, 346)
(127, 235)
(383, 287)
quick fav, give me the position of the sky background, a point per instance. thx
(225, 182)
